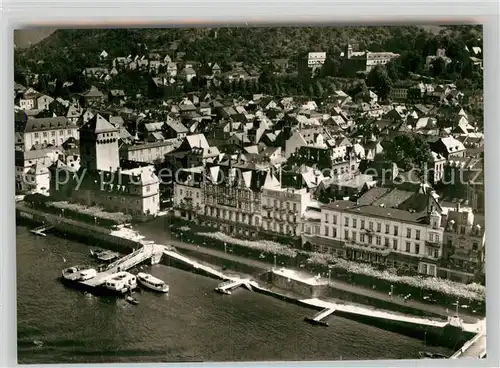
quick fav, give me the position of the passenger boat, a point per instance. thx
(152, 282)
(429, 355)
(131, 300)
(104, 255)
(121, 282)
(78, 273)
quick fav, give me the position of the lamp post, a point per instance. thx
(392, 291)
(225, 248)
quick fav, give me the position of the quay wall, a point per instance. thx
(74, 230)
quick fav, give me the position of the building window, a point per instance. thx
(386, 240)
(346, 234)
(362, 238)
(353, 235)
(44, 134)
(327, 233)
(379, 227)
(417, 248)
(61, 132)
(334, 232)
(362, 224)
(475, 246)
(408, 233)
(53, 133)
(431, 237)
(379, 240)
(326, 218)
(346, 222)
(148, 188)
(354, 222)
(335, 219)
(436, 253)
(69, 131)
(417, 234)
(370, 226)
(387, 229)
(295, 207)
(395, 244)
(395, 231)
(36, 135)
(408, 247)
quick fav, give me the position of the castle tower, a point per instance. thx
(348, 51)
(99, 145)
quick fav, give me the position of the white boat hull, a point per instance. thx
(149, 282)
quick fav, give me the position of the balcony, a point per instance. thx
(433, 244)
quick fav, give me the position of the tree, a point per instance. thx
(438, 67)
(380, 81)
(409, 151)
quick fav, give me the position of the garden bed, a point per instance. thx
(93, 215)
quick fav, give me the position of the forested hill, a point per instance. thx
(68, 49)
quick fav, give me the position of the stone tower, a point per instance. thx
(99, 145)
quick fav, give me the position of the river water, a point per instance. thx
(191, 323)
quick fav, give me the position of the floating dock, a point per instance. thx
(96, 284)
(318, 319)
(226, 287)
(40, 231)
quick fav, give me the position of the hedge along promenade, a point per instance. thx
(445, 291)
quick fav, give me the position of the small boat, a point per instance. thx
(104, 255)
(223, 291)
(121, 282)
(131, 300)
(429, 355)
(152, 282)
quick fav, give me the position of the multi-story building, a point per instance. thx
(233, 197)
(282, 209)
(464, 246)
(148, 151)
(30, 174)
(364, 61)
(311, 62)
(104, 180)
(33, 100)
(188, 198)
(41, 132)
(391, 227)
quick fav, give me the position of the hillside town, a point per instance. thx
(390, 178)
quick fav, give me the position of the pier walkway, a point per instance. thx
(475, 348)
(233, 284)
(323, 314)
(370, 312)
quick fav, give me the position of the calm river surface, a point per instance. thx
(192, 323)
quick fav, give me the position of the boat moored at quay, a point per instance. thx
(152, 283)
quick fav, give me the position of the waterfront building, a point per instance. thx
(385, 226)
(188, 198)
(30, 172)
(464, 245)
(282, 209)
(105, 180)
(233, 197)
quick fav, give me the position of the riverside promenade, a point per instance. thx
(444, 311)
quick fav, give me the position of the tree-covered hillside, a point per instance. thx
(70, 49)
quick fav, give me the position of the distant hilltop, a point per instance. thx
(24, 38)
